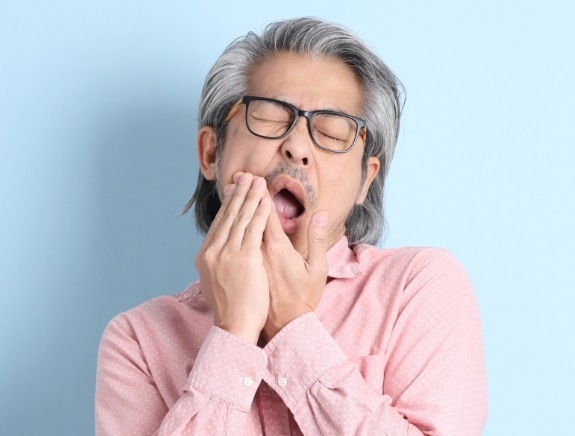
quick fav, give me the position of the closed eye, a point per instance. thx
(318, 132)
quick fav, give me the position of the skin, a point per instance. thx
(259, 273)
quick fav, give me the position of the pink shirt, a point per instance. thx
(394, 348)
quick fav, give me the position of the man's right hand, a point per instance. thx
(230, 262)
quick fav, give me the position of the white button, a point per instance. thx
(282, 381)
(247, 381)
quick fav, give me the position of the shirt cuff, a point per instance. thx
(298, 355)
(228, 368)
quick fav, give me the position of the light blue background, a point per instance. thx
(97, 134)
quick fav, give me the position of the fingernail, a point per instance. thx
(257, 182)
(229, 190)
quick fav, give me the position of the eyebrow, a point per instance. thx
(331, 108)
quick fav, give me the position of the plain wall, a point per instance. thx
(97, 156)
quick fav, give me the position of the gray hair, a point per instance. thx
(227, 82)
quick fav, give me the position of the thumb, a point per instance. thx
(317, 240)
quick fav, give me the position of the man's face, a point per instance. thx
(301, 177)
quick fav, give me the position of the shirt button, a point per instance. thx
(282, 381)
(247, 381)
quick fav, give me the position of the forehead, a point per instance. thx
(309, 82)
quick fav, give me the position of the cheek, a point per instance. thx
(241, 154)
(342, 189)
(345, 179)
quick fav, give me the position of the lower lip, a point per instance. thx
(290, 226)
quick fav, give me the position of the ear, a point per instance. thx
(372, 170)
(207, 152)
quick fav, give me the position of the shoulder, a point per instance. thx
(160, 311)
(432, 273)
(407, 260)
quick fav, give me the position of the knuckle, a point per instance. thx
(273, 248)
(229, 215)
(217, 219)
(242, 218)
(252, 228)
(318, 242)
(209, 255)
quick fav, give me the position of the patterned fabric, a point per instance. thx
(394, 348)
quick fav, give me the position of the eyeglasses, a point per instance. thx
(274, 119)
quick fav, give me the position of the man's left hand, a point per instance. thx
(296, 283)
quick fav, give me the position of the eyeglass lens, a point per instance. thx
(273, 119)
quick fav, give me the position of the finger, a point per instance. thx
(277, 246)
(317, 241)
(247, 212)
(225, 218)
(274, 230)
(227, 198)
(254, 231)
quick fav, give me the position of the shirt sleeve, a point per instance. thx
(434, 377)
(215, 400)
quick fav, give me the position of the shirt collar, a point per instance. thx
(342, 261)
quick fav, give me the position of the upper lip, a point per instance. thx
(285, 182)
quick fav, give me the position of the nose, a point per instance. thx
(297, 145)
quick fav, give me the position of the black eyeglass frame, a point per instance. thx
(359, 122)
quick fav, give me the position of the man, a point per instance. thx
(298, 324)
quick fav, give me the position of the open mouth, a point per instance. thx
(291, 201)
(287, 205)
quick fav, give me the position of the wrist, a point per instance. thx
(246, 334)
(275, 324)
